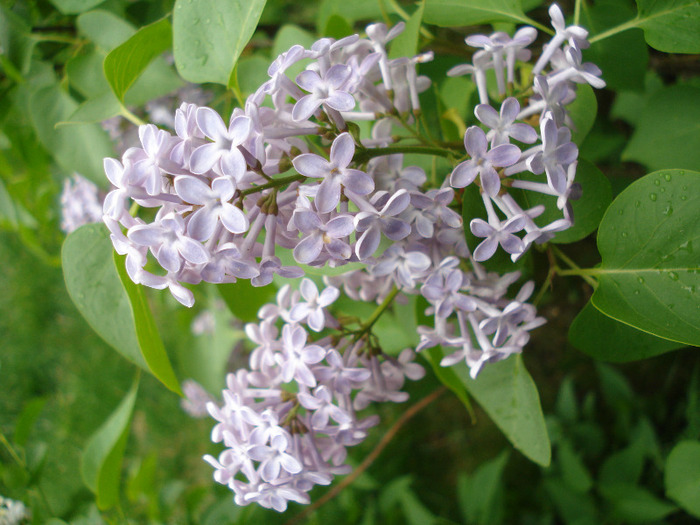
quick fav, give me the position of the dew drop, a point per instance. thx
(195, 21)
(667, 176)
(657, 182)
(663, 190)
(621, 212)
(681, 172)
(685, 188)
(673, 276)
(624, 234)
(653, 197)
(668, 210)
(636, 292)
(684, 197)
(637, 204)
(641, 280)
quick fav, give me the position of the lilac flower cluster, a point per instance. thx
(495, 163)
(81, 203)
(286, 422)
(291, 175)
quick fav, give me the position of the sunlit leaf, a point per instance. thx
(682, 476)
(670, 25)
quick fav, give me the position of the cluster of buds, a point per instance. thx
(291, 175)
(286, 422)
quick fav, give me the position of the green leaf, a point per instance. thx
(406, 44)
(94, 110)
(100, 464)
(632, 504)
(77, 149)
(27, 418)
(670, 25)
(104, 28)
(94, 286)
(209, 36)
(583, 111)
(150, 343)
(73, 7)
(668, 132)
(604, 338)
(244, 300)
(451, 13)
(124, 64)
(16, 45)
(650, 275)
(618, 74)
(509, 396)
(350, 11)
(481, 493)
(682, 476)
(588, 210)
(252, 72)
(573, 471)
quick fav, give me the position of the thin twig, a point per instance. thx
(405, 417)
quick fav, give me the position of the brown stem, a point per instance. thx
(405, 417)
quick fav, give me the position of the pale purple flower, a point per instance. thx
(223, 154)
(373, 223)
(214, 206)
(326, 91)
(274, 458)
(341, 378)
(335, 173)
(320, 236)
(483, 162)
(321, 403)
(500, 234)
(503, 126)
(577, 35)
(298, 355)
(556, 151)
(312, 308)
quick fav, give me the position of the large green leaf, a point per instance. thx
(450, 13)
(668, 131)
(111, 303)
(682, 476)
(650, 274)
(583, 111)
(124, 64)
(507, 393)
(76, 149)
(150, 343)
(16, 45)
(244, 300)
(481, 493)
(100, 464)
(104, 28)
(672, 26)
(94, 286)
(606, 339)
(209, 36)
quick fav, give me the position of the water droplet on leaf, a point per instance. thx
(653, 196)
(673, 276)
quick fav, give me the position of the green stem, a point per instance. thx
(577, 12)
(12, 451)
(128, 115)
(367, 325)
(369, 153)
(615, 30)
(575, 269)
(274, 183)
(52, 37)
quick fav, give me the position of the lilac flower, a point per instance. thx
(274, 458)
(576, 34)
(341, 378)
(443, 290)
(215, 206)
(167, 240)
(80, 203)
(500, 234)
(483, 161)
(321, 402)
(327, 91)
(556, 151)
(373, 223)
(319, 236)
(297, 356)
(335, 173)
(503, 126)
(312, 309)
(222, 154)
